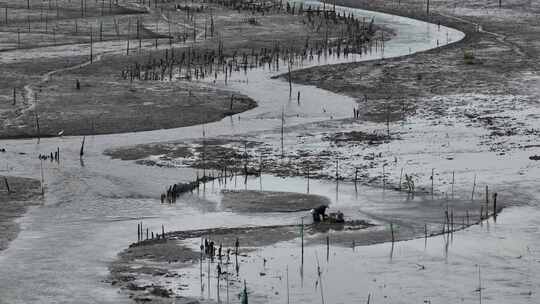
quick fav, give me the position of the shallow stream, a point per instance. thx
(92, 206)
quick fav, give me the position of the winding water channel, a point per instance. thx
(91, 208)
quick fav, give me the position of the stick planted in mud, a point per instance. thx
(237, 246)
(327, 248)
(308, 179)
(487, 199)
(290, 79)
(384, 176)
(453, 184)
(432, 180)
(392, 232)
(81, 153)
(42, 178)
(37, 125)
(473, 188)
(218, 277)
(337, 169)
(7, 185)
(481, 214)
(282, 129)
(91, 46)
(319, 274)
(495, 205)
(425, 235)
(227, 281)
(287, 279)
(400, 177)
(479, 286)
(163, 232)
(355, 180)
(302, 240)
(208, 278)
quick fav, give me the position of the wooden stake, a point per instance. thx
(327, 248)
(302, 240)
(487, 196)
(282, 130)
(287, 278)
(7, 185)
(452, 184)
(473, 188)
(308, 179)
(81, 153)
(425, 235)
(495, 205)
(37, 126)
(432, 180)
(42, 179)
(91, 46)
(290, 79)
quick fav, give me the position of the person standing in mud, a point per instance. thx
(236, 246)
(206, 246)
(319, 213)
(219, 252)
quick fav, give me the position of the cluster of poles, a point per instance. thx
(354, 36)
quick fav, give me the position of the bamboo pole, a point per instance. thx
(495, 205)
(287, 279)
(81, 153)
(302, 241)
(473, 189)
(282, 130)
(327, 248)
(7, 185)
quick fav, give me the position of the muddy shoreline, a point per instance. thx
(101, 96)
(23, 193)
(158, 257)
(139, 270)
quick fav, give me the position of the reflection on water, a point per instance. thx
(439, 271)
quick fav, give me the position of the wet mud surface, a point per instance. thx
(268, 201)
(123, 84)
(16, 195)
(165, 257)
(433, 130)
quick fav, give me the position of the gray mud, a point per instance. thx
(270, 201)
(24, 192)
